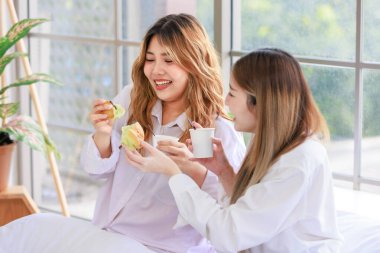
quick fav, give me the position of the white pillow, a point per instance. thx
(39, 233)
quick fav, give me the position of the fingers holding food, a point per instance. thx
(113, 111)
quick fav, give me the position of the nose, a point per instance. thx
(157, 68)
(226, 100)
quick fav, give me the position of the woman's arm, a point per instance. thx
(101, 151)
(230, 148)
(94, 163)
(264, 211)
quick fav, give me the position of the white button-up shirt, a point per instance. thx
(141, 205)
(290, 210)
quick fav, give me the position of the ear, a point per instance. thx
(252, 100)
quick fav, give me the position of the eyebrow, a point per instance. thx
(232, 88)
(163, 54)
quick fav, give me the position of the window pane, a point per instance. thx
(314, 28)
(333, 90)
(81, 18)
(129, 56)
(87, 72)
(138, 16)
(371, 124)
(80, 190)
(371, 32)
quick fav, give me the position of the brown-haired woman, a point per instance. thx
(175, 79)
(281, 200)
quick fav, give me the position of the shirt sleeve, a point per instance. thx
(93, 163)
(90, 159)
(235, 149)
(256, 217)
(232, 141)
(211, 185)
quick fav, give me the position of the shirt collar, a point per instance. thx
(180, 121)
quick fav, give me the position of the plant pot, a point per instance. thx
(6, 152)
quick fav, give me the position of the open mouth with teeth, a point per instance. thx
(162, 84)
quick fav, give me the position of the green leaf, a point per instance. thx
(7, 59)
(26, 130)
(7, 110)
(17, 32)
(28, 80)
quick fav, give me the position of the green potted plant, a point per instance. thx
(19, 128)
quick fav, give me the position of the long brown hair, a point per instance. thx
(286, 111)
(187, 43)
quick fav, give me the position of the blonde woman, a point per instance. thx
(175, 79)
(281, 200)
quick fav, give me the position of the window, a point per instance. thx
(335, 41)
(90, 45)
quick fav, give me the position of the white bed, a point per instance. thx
(52, 233)
(46, 233)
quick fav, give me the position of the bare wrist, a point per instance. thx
(227, 174)
(198, 173)
(174, 171)
(103, 143)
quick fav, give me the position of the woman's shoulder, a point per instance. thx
(310, 153)
(312, 147)
(125, 92)
(307, 158)
(124, 96)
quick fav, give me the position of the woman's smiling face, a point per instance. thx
(237, 101)
(168, 80)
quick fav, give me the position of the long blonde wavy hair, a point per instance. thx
(286, 111)
(188, 45)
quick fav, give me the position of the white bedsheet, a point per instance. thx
(52, 233)
(361, 234)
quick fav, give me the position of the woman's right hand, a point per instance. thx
(100, 121)
(218, 163)
(103, 127)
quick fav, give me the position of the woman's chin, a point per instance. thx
(237, 127)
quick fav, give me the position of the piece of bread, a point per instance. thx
(131, 136)
(116, 112)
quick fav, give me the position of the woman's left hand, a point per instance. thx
(178, 152)
(157, 161)
(182, 156)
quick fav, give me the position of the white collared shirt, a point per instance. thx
(141, 205)
(290, 210)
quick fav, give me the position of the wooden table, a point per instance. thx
(15, 202)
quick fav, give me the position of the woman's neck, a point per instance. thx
(171, 110)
